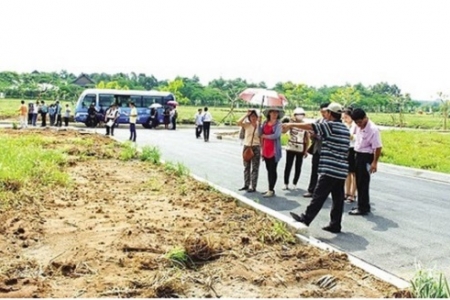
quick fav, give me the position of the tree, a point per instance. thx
(175, 87)
(346, 96)
(445, 108)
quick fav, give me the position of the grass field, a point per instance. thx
(9, 107)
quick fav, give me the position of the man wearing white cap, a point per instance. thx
(333, 167)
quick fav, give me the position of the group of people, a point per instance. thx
(31, 113)
(202, 120)
(345, 147)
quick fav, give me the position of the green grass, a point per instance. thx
(423, 150)
(177, 169)
(178, 256)
(25, 160)
(151, 154)
(423, 121)
(128, 151)
(9, 107)
(427, 284)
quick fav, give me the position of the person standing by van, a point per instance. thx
(133, 119)
(111, 116)
(207, 118)
(67, 115)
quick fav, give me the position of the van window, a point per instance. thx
(122, 100)
(137, 100)
(105, 100)
(88, 100)
(149, 100)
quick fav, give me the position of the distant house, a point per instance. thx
(35, 72)
(84, 80)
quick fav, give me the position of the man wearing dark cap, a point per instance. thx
(333, 167)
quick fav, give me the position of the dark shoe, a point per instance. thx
(357, 212)
(307, 195)
(331, 229)
(298, 218)
(251, 190)
(244, 188)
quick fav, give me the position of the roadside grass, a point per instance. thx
(25, 161)
(429, 284)
(151, 154)
(9, 107)
(178, 169)
(423, 150)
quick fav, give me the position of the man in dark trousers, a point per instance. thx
(315, 151)
(368, 150)
(333, 167)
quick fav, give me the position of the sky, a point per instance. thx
(316, 42)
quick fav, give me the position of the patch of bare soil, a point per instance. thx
(109, 233)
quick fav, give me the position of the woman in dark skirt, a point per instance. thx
(350, 183)
(166, 118)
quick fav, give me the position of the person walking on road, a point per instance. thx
(111, 116)
(314, 150)
(207, 118)
(198, 119)
(368, 150)
(333, 168)
(270, 133)
(295, 148)
(251, 140)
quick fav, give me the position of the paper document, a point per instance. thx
(110, 123)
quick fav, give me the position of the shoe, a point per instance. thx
(307, 195)
(349, 199)
(269, 194)
(331, 229)
(298, 218)
(357, 212)
(244, 188)
(285, 187)
(251, 190)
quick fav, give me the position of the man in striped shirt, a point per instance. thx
(333, 167)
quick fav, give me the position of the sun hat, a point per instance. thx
(275, 108)
(299, 111)
(335, 107)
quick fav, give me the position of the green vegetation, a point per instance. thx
(151, 154)
(178, 256)
(423, 150)
(426, 284)
(177, 169)
(277, 233)
(25, 160)
(128, 152)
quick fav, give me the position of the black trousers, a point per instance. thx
(133, 132)
(174, 123)
(44, 119)
(363, 161)
(66, 121)
(58, 120)
(206, 127)
(108, 128)
(198, 130)
(290, 157)
(325, 186)
(271, 167)
(314, 172)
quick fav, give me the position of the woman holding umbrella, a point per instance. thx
(270, 133)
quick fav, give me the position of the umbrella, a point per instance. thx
(263, 97)
(173, 103)
(155, 105)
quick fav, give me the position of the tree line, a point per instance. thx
(380, 97)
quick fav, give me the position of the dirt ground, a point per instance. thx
(109, 233)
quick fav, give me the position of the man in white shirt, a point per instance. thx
(111, 116)
(133, 119)
(207, 118)
(198, 119)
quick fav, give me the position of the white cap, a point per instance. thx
(299, 111)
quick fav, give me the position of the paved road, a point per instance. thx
(409, 218)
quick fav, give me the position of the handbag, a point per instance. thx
(248, 153)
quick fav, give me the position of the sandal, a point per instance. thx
(350, 199)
